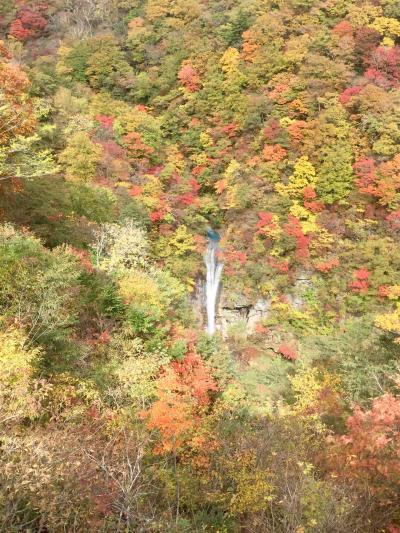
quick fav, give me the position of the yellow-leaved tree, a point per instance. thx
(80, 157)
(19, 390)
(304, 175)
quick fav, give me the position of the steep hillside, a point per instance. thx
(131, 133)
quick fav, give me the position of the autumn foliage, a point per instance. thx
(189, 78)
(369, 453)
(135, 136)
(29, 23)
(183, 393)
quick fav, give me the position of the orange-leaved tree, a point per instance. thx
(183, 396)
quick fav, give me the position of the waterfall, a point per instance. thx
(214, 272)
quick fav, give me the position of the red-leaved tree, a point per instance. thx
(28, 23)
(189, 78)
(369, 454)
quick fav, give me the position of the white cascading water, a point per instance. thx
(214, 273)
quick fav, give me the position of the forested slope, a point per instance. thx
(127, 129)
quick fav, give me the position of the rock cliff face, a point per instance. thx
(249, 313)
(239, 309)
(198, 302)
(229, 312)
